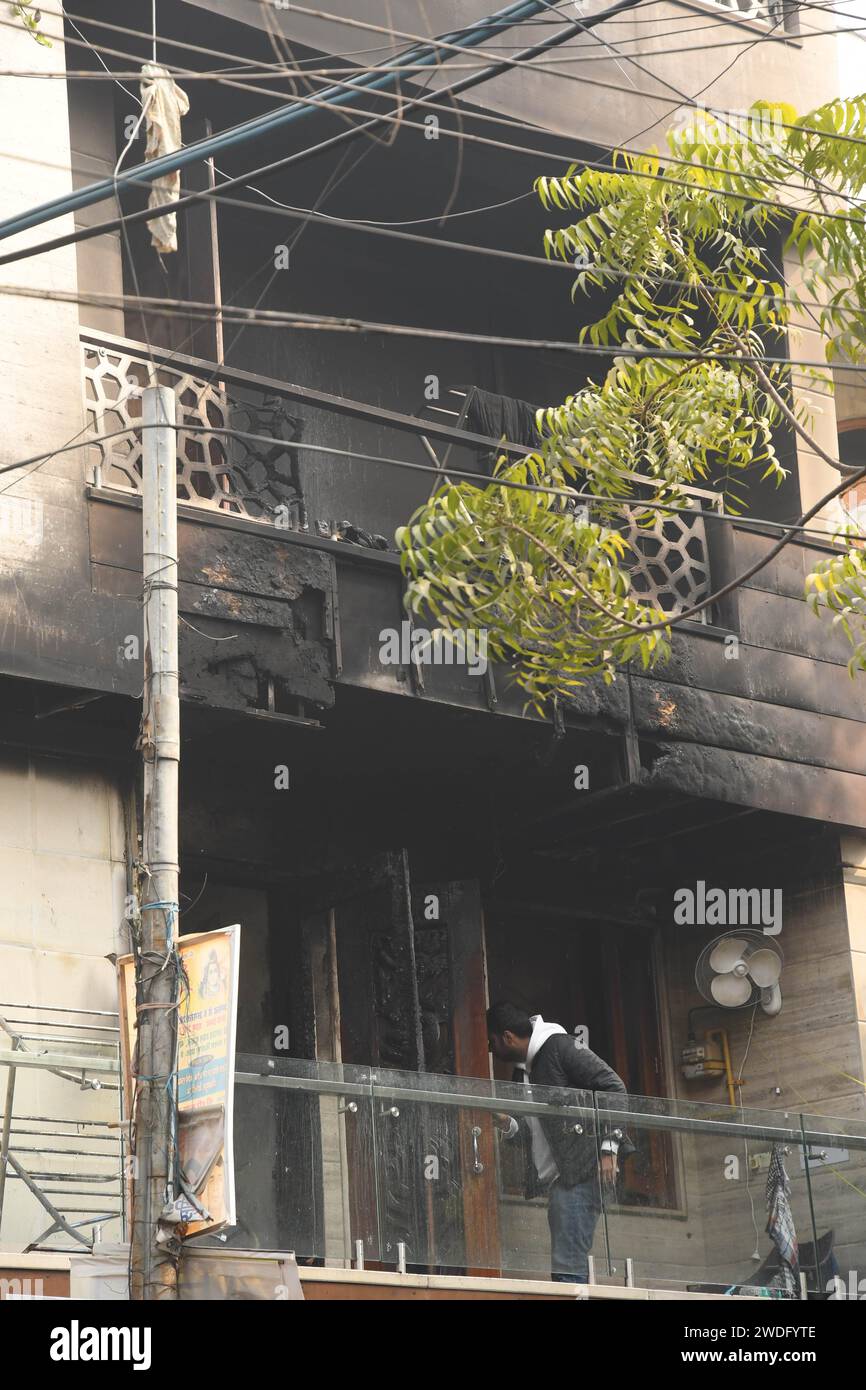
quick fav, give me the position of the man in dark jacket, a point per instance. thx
(565, 1162)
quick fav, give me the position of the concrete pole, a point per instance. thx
(154, 1250)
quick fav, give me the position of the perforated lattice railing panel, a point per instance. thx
(250, 478)
(671, 563)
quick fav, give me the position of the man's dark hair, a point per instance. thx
(507, 1017)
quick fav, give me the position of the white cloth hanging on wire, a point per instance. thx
(165, 104)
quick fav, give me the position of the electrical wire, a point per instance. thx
(667, 158)
(279, 318)
(255, 70)
(203, 50)
(691, 101)
(427, 469)
(496, 252)
(277, 203)
(103, 64)
(818, 365)
(265, 123)
(110, 225)
(444, 43)
(655, 96)
(188, 74)
(468, 475)
(516, 123)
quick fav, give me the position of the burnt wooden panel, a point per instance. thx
(453, 911)
(786, 574)
(212, 554)
(771, 677)
(253, 610)
(748, 726)
(787, 624)
(774, 785)
(381, 1027)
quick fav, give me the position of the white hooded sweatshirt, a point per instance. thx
(542, 1154)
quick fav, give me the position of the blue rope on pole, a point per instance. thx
(171, 911)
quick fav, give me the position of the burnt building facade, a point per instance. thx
(400, 841)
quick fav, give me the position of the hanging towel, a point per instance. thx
(165, 104)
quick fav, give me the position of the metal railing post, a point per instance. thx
(7, 1127)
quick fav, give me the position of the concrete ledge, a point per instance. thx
(37, 1259)
(371, 1283)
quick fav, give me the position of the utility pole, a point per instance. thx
(154, 1247)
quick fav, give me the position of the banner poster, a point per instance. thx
(207, 1026)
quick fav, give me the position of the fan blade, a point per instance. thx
(725, 955)
(765, 968)
(730, 990)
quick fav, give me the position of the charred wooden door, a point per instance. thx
(380, 1027)
(449, 951)
(411, 986)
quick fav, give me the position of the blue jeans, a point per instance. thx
(572, 1213)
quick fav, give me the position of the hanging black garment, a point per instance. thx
(498, 416)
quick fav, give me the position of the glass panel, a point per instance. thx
(453, 1188)
(836, 1151)
(417, 1167)
(304, 1169)
(714, 1238)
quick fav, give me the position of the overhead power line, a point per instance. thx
(424, 427)
(348, 93)
(343, 94)
(434, 243)
(261, 67)
(282, 318)
(589, 23)
(849, 198)
(146, 214)
(398, 119)
(520, 60)
(500, 119)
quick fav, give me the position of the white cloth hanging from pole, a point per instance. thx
(165, 105)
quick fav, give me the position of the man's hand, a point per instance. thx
(608, 1168)
(502, 1122)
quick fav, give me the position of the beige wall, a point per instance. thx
(62, 865)
(94, 155)
(38, 350)
(61, 826)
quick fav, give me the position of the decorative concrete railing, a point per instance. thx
(239, 446)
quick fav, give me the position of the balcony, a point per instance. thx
(246, 477)
(405, 1172)
(397, 1184)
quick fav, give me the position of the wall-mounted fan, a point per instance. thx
(741, 968)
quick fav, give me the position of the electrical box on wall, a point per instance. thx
(702, 1061)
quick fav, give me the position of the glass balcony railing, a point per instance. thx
(410, 1171)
